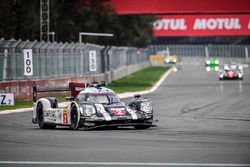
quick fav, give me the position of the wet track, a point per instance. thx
(201, 120)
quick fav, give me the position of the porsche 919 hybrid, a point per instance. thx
(94, 106)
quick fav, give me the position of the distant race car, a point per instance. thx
(231, 71)
(212, 62)
(90, 107)
(171, 59)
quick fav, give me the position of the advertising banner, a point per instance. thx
(202, 25)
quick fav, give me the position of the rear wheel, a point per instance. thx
(40, 118)
(74, 118)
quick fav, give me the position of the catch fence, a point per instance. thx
(53, 60)
(220, 51)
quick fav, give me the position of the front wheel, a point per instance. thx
(74, 118)
(40, 118)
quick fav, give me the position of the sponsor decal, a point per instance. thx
(101, 109)
(65, 117)
(157, 58)
(132, 113)
(202, 25)
(79, 88)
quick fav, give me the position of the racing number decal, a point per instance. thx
(119, 112)
(65, 117)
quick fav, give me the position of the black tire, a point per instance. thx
(141, 127)
(40, 118)
(74, 118)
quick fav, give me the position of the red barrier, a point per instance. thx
(23, 90)
(181, 6)
(202, 25)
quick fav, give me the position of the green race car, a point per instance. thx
(212, 62)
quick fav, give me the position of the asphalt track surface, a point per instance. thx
(202, 122)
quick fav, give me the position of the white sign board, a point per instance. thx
(6, 99)
(28, 63)
(92, 60)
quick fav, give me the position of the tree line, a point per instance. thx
(20, 19)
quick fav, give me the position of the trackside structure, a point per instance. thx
(57, 64)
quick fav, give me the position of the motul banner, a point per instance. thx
(202, 25)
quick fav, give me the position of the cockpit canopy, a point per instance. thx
(98, 98)
(231, 67)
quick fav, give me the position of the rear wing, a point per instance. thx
(74, 88)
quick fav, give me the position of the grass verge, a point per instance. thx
(137, 81)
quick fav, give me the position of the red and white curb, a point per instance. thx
(120, 95)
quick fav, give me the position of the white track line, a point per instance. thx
(63, 104)
(15, 111)
(121, 95)
(120, 163)
(131, 94)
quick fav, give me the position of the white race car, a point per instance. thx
(93, 106)
(231, 71)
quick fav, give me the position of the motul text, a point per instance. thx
(208, 25)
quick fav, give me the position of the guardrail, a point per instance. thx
(53, 60)
(221, 51)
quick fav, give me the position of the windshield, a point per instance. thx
(234, 67)
(230, 67)
(98, 98)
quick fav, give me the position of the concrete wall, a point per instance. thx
(23, 90)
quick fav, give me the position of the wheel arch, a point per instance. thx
(46, 102)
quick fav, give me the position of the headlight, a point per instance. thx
(146, 107)
(81, 110)
(240, 75)
(208, 62)
(216, 62)
(208, 68)
(89, 110)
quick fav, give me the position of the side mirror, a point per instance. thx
(70, 98)
(137, 96)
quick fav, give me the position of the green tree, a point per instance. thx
(21, 19)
